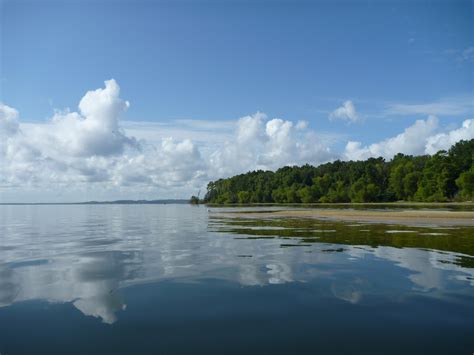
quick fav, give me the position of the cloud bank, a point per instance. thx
(94, 149)
(90, 147)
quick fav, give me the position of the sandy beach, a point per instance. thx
(410, 217)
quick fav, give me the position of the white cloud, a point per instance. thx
(453, 106)
(461, 55)
(346, 112)
(265, 144)
(420, 138)
(467, 54)
(8, 121)
(95, 131)
(411, 141)
(443, 141)
(301, 125)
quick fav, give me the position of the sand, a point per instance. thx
(407, 217)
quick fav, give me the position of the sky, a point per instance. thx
(115, 99)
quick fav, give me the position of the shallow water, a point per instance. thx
(180, 279)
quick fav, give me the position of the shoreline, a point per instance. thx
(406, 217)
(328, 204)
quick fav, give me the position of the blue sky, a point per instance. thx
(223, 60)
(210, 61)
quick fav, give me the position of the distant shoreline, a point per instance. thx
(118, 202)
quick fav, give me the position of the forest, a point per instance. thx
(442, 177)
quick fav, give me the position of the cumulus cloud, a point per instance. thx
(8, 121)
(420, 138)
(443, 141)
(94, 130)
(89, 146)
(268, 144)
(347, 112)
(170, 164)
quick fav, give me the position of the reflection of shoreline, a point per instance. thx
(305, 231)
(410, 217)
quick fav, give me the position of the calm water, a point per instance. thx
(154, 279)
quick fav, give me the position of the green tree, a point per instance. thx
(279, 195)
(410, 184)
(465, 182)
(244, 196)
(292, 195)
(308, 194)
(358, 192)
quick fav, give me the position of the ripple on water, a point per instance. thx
(394, 231)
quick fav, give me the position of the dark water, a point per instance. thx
(153, 279)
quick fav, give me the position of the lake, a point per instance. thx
(181, 279)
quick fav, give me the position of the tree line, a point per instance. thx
(444, 176)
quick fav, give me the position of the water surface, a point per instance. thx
(171, 279)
